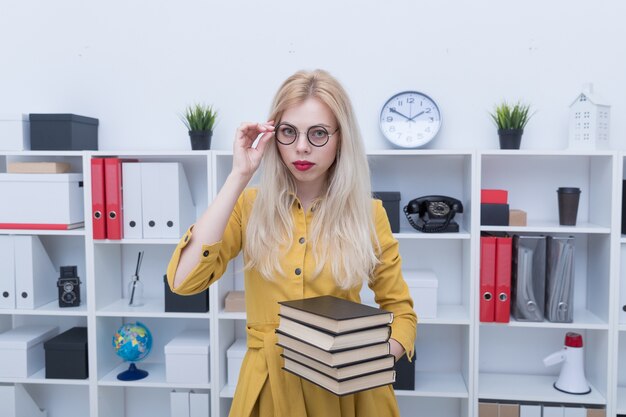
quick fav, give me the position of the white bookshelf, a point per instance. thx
(458, 360)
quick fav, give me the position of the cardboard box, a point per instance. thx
(234, 359)
(21, 350)
(38, 167)
(235, 302)
(517, 218)
(62, 132)
(14, 132)
(187, 358)
(66, 355)
(42, 201)
(423, 284)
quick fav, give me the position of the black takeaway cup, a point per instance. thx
(568, 205)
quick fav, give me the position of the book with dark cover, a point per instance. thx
(343, 372)
(340, 388)
(336, 358)
(405, 374)
(333, 314)
(333, 342)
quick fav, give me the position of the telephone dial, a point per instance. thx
(433, 213)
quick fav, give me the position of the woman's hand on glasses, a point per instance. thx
(246, 157)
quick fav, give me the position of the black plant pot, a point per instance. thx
(510, 138)
(200, 140)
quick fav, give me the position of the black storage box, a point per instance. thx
(66, 355)
(405, 374)
(494, 214)
(624, 207)
(63, 132)
(391, 203)
(174, 303)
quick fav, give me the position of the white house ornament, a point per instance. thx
(589, 121)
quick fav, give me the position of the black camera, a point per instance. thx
(69, 287)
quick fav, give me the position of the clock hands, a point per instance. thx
(412, 119)
(392, 110)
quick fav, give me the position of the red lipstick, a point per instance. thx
(303, 165)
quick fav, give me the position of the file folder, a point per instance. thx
(528, 277)
(131, 197)
(560, 279)
(552, 411)
(7, 272)
(98, 205)
(35, 275)
(487, 409)
(167, 204)
(571, 411)
(487, 278)
(199, 404)
(113, 197)
(528, 410)
(179, 404)
(508, 410)
(503, 280)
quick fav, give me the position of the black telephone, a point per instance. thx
(434, 213)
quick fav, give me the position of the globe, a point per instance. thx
(132, 342)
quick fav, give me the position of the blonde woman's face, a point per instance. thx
(308, 163)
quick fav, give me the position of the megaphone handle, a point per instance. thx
(554, 358)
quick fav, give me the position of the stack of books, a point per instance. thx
(340, 345)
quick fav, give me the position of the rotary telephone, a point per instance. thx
(434, 213)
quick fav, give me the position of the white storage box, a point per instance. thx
(187, 358)
(14, 132)
(21, 350)
(423, 285)
(41, 201)
(234, 359)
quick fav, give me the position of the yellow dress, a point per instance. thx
(264, 389)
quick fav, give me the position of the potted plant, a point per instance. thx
(511, 121)
(200, 120)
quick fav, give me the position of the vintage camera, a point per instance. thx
(69, 287)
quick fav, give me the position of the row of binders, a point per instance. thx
(530, 277)
(28, 278)
(132, 199)
(494, 409)
(339, 345)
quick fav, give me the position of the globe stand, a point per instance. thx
(132, 374)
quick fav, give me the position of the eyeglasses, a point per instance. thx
(317, 135)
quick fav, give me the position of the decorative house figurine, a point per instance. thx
(589, 121)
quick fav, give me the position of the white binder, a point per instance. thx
(198, 404)
(574, 412)
(131, 197)
(167, 204)
(16, 402)
(7, 272)
(35, 275)
(527, 410)
(179, 404)
(552, 411)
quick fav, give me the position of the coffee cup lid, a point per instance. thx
(568, 190)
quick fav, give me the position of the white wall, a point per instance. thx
(135, 65)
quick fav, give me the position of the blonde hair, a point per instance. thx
(342, 230)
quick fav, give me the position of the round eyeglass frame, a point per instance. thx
(307, 134)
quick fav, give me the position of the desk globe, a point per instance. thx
(132, 342)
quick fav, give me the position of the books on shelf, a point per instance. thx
(340, 345)
(334, 314)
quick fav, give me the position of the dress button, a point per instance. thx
(298, 271)
(206, 253)
(301, 240)
(299, 205)
(186, 238)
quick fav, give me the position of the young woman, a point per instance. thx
(310, 228)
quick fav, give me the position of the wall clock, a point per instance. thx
(410, 119)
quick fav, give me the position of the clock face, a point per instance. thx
(410, 119)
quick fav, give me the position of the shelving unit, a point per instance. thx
(459, 361)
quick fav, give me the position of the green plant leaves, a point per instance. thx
(199, 117)
(511, 117)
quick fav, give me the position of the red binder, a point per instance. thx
(113, 196)
(487, 278)
(504, 247)
(98, 215)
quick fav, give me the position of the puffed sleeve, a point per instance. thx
(390, 289)
(212, 259)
